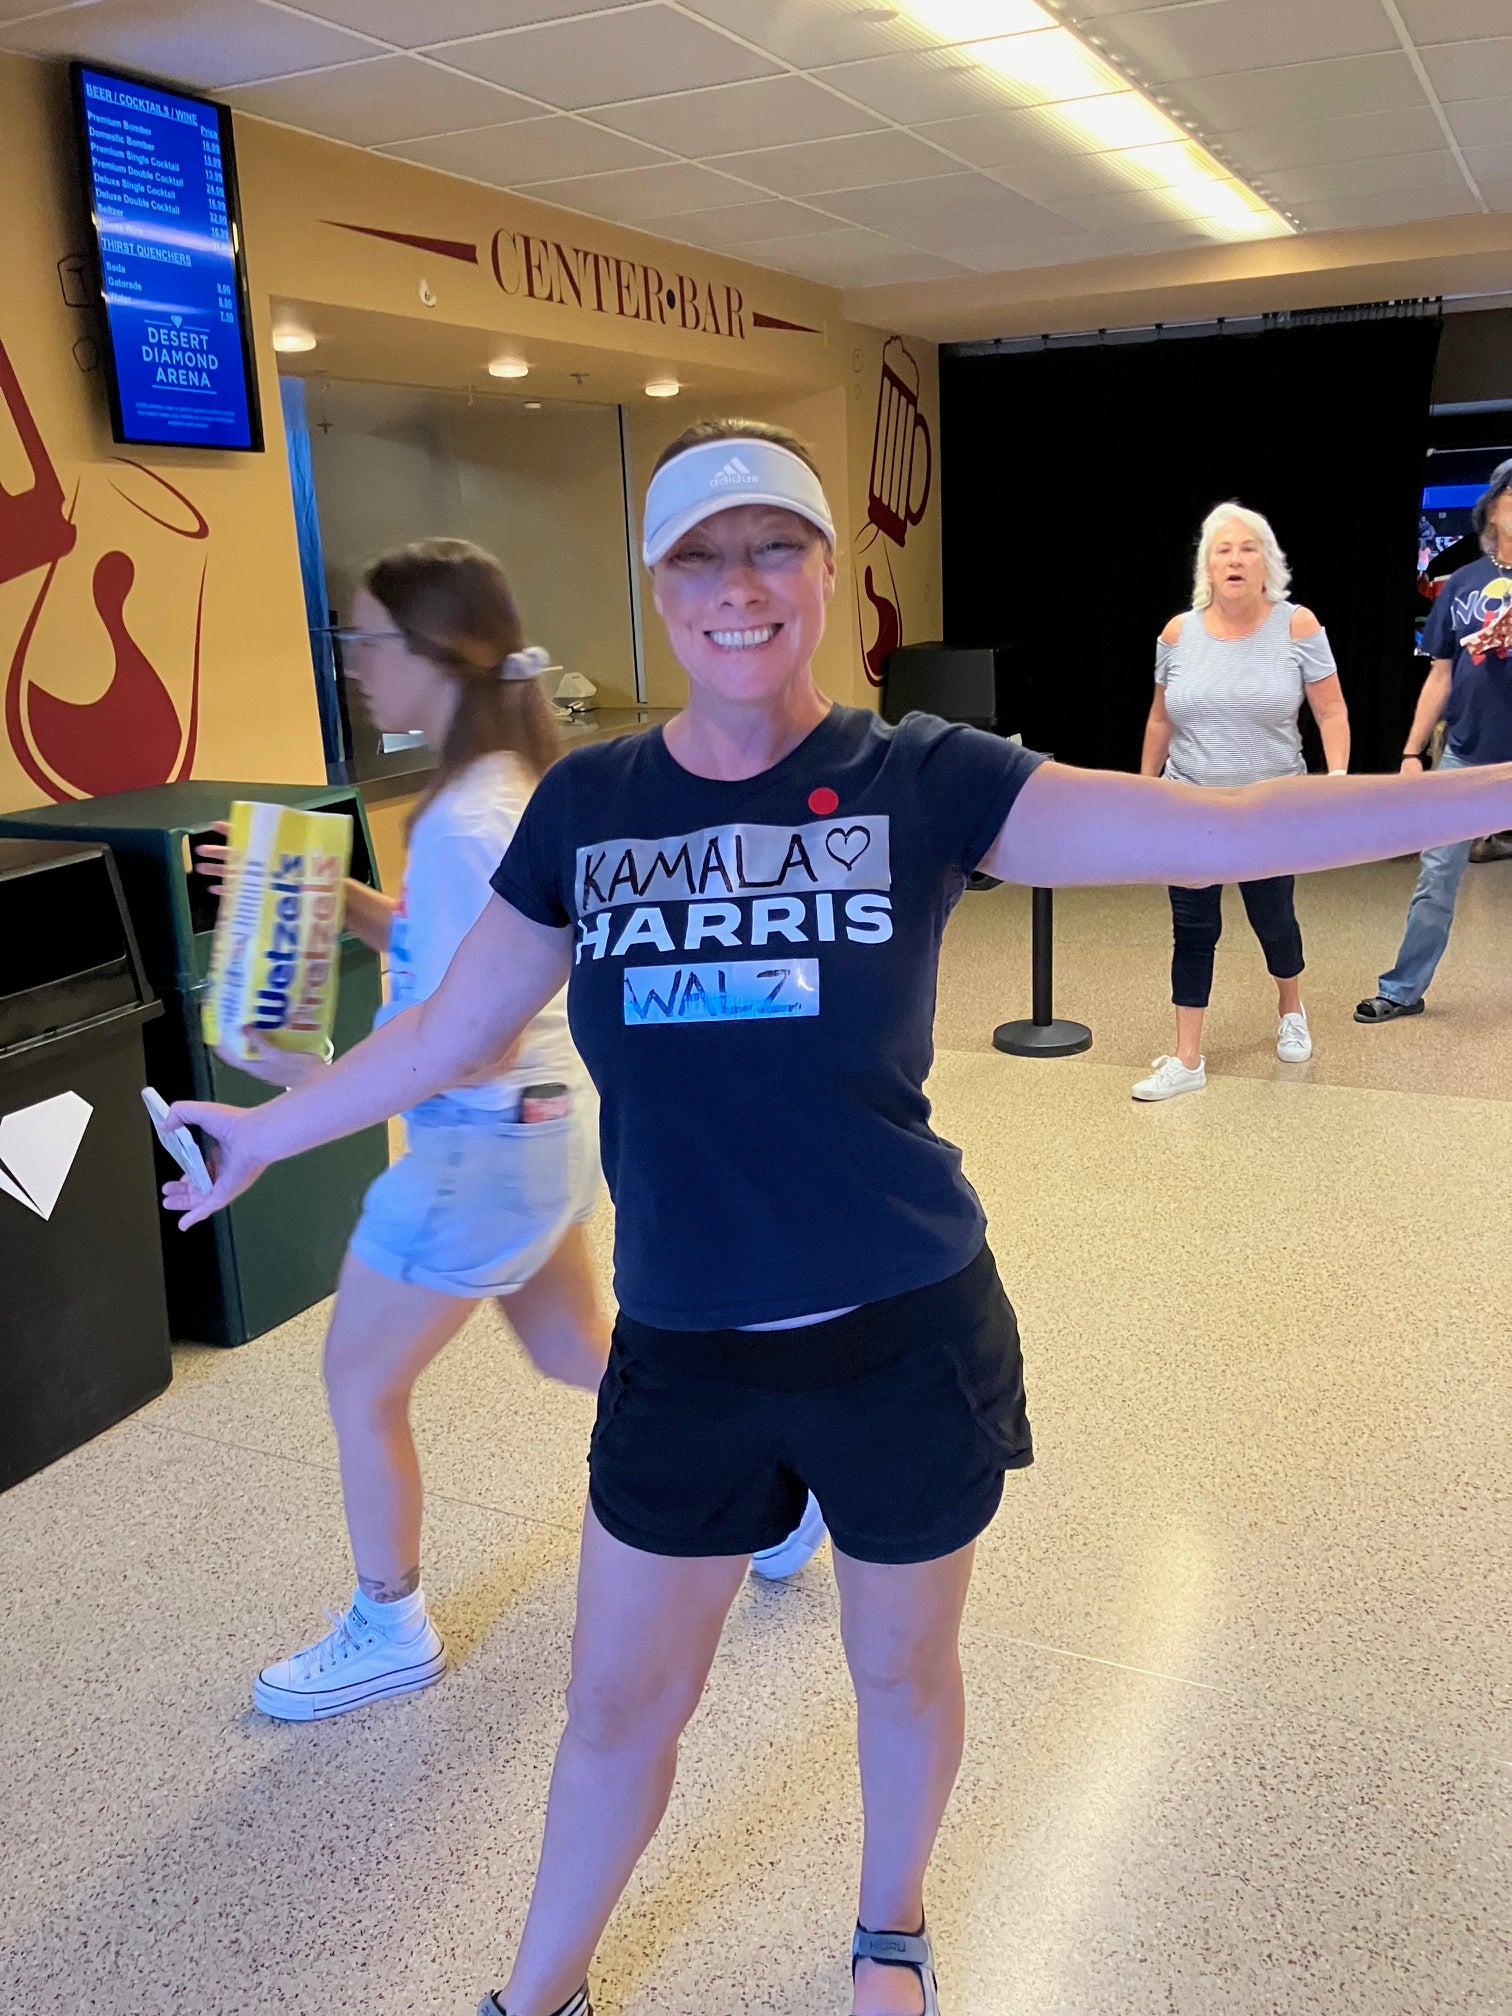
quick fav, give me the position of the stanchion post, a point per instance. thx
(1043, 1036)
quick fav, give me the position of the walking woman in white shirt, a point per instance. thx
(501, 1168)
(1230, 677)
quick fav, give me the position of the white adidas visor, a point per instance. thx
(719, 475)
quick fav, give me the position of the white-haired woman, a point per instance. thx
(1230, 677)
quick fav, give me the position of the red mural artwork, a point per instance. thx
(901, 432)
(132, 736)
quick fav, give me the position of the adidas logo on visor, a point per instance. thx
(734, 471)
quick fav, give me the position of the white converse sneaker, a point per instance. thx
(1294, 1039)
(1171, 1076)
(356, 1662)
(775, 1564)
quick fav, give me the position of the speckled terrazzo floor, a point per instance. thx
(1239, 1648)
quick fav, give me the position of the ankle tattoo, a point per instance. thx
(379, 1590)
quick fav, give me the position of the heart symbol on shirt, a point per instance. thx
(846, 844)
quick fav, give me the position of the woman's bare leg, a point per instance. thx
(559, 1318)
(902, 1628)
(383, 1334)
(1189, 1035)
(645, 1636)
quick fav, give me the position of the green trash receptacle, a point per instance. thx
(83, 1322)
(278, 1249)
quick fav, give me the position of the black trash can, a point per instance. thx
(83, 1319)
(279, 1248)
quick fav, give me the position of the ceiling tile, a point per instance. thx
(1490, 164)
(1399, 206)
(935, 84)
(810, 32)
(857, 163)
(410, 26)
(767, 112)
(1120, 207)
(1498, 194)
(852, 259)
(1022, 156)
(203, 43)
(390, 98)
(1478, 122)
(1470, 69)
(739, 224)
(1300, 91)
(918, 211)
(1431, 21)
(638, 52)
(633, 195)
(1257, 150)
(1229, 35)
(531, 150)
(1387, 173)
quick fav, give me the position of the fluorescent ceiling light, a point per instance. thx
(509, 367)
(1078, 98)
(663, 388)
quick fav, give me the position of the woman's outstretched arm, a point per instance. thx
(1072, 826)
(506, 969)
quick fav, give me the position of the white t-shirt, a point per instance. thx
(457, 843)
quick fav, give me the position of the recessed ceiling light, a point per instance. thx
(532, 405)
(663, 388)
(509, 367)
(291, 340)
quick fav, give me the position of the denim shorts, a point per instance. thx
(479, 1202)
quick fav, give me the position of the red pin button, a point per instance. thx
(824, 801)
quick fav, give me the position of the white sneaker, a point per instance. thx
(774, 1564)
(1294, 1039)
(1171, 1076)
(356, 1662)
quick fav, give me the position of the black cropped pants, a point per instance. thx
(1198, 918)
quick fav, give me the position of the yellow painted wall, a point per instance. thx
(90, 711)
(86, 711)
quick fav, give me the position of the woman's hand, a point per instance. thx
(231, 1156)
(214, 861)
(272, 1066)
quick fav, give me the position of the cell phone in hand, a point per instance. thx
(177, 1141)
(545, 1102)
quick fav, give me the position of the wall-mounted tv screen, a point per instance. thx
(161, 178)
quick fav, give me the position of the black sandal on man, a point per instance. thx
(900, 1949)
(1379, 1008)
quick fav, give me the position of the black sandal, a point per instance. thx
(900, 1949)
(575, 2005)
(1381, 1009)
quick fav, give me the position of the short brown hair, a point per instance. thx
(452, 604)
(737, 430)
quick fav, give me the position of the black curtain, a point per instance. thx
(1075, 481)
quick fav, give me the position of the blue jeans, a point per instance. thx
(1429, 915)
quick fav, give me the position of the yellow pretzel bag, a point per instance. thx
(273, 961)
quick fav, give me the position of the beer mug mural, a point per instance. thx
(902, 470)
(132, 732)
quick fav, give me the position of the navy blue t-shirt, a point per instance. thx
(753, 993)
(1479, 714)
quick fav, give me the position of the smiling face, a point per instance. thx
(1236, 564)
(399, 688)
(743, 596)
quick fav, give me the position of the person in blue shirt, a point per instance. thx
(746, 908)
(1468, 637)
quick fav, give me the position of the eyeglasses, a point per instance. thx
(350, 637)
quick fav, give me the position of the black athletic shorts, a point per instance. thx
(901, 1419)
